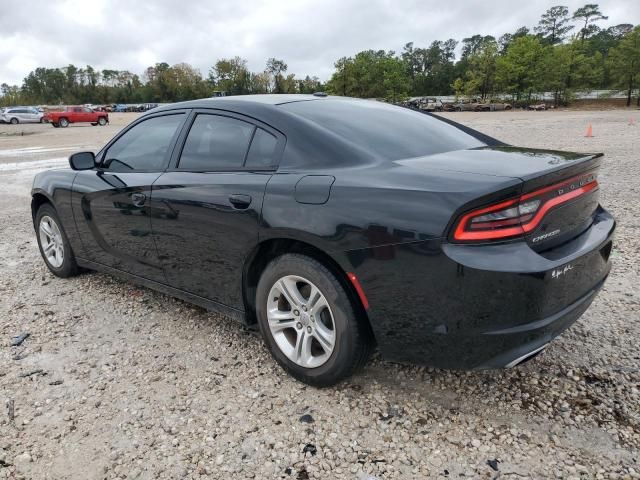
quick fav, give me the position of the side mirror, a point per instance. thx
(82, 161)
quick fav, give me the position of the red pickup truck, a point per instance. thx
(76, 115)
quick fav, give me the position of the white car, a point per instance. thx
(15, 115)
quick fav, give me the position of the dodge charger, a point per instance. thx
(338, 225)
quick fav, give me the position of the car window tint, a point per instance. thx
(145, 146)
(216, 143)
(262, 151)
(387, 131)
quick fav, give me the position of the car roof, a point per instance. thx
(242, 101)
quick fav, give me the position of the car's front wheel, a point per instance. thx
(102, 121)
(63, 122)
(14, 121)
(308, 321)
(54, 245)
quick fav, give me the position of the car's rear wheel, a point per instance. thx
(102, 121)
(63, 122)
(54, 245)
(55, 125)
(14, 121)
(309, 322)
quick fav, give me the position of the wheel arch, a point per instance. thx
(272, 248)
(38, 199)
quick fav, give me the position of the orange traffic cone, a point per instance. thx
(589, 132)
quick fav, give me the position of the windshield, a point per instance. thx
(388, 131)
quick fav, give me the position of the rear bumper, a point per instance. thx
(518, 344)
(480, 306)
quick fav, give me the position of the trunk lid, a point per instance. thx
(553, 172)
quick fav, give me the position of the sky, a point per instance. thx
(309, 35)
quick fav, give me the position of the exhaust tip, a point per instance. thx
(526, 357)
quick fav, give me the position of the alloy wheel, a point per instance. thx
(301, 321)
(51, 241)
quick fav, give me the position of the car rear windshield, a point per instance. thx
(391, 132)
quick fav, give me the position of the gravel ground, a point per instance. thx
(117, 381)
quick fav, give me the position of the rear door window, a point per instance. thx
(216, 143)
(263, 150)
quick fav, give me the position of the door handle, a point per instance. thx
(138, 199)
(240, 201)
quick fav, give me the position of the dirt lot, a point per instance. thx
(117, 381)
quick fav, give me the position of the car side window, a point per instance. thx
(144, 147)
(262, 151)
(87, 110)
(216, 142)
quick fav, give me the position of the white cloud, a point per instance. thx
(308, 35)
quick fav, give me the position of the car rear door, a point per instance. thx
(207, 207)
(111, 204)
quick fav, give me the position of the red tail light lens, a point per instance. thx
(521, 215)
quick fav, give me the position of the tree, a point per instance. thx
(566, 68)
(371, 74)
(472, 44)
(519, 70)
(231, 75)
(624, 62)
(553, 25)
(480, 76)
(589, 14)
(507, 39)
(276, 68)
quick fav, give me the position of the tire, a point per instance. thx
(102, 121)
(333, 319)
(63, 122)
(55, 125)
(53, 236)
(42, 120)
(458, 109)
(93, 124)
(14, 121)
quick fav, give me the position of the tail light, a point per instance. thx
(516, 217)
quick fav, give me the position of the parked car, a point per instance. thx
(466, 105)
(492, 106)
(120, 107)
(15, 115)
(537, 106)
(338, 223)
(77, 115)
(429, 104)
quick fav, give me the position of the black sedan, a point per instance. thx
(338, 224)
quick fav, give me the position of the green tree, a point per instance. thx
(589, 14)
(480, 76)
(519, 70)
(276, 70)
(566, 68)
(624, 63)
(554, 24)
(231, 75)
(370, 74)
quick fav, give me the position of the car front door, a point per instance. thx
(111, 202)
(207, 207)
(87, 114)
